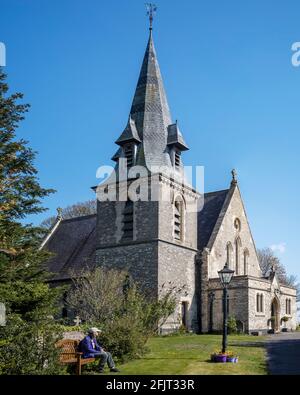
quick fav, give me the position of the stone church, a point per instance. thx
(171, 240)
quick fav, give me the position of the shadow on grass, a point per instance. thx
(248, 344)
(168, 358)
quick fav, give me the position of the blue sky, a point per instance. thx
(230, 83)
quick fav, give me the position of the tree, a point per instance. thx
(112, 300)
(76, 210)
(29, 301)
(292, 281)
(268, 259)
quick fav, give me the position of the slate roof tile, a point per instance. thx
(74, 245)
(208, 216)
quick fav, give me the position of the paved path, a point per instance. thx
(284, 353)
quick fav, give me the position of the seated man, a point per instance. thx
(91, 349)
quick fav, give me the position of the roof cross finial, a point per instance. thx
(59, 213)
(234, 177)
(151, 10)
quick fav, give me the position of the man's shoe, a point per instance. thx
(114, 370)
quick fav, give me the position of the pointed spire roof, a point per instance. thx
(150, 110)
(117, 155)
(129, 134)
(150, 125)
(175, 137)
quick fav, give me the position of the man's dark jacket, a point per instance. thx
(86, 347)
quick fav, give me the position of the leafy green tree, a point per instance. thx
(30, 303)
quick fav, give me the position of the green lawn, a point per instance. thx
(190, 354)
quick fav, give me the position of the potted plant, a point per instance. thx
(285, 320)
(220, 357)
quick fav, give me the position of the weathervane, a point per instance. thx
(151, 10)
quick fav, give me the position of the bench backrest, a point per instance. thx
(68, 350)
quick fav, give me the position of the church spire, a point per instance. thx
(150, 119)
(150, 110)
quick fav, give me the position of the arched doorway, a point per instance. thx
(275, 315)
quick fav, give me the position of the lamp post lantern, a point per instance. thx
(225, 276)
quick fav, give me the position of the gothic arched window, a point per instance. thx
(238, 245)
(259, 303)
(229, 252)
(288, 306)
(178, 219)
(246, 262)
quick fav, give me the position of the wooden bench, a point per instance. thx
(70, 356)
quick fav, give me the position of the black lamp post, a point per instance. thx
(211, 297)
(225, 276)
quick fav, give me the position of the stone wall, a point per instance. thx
(243, 292)
(290, 293)
(140, 260)
(176, 267)
(110, 222)
(237, 302)
(270, 291)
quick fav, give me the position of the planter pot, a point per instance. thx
(231, 359)
(221, 358)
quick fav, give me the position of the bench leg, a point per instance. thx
(78, 366)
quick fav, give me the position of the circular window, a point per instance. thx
(237, 224)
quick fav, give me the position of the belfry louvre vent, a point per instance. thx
(177, 221)
(177, 159)
(128, 221)
(129, 155)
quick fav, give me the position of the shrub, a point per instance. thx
(124, 339)
(29, 348)
(110, 300)
(231, 325)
